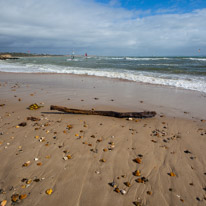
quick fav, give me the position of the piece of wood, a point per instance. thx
(146, 114)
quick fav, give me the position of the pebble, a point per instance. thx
(123, 192)
(49, 191)
(3, 203)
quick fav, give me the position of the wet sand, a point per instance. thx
(84, 160)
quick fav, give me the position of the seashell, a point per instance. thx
(130, 119)
(14, 197)
(138, 160)
(39, 164)
(24, 196)
(3, 203)
(137, 173)
(99, 140)
(76, 135)
(128, 184)
(105, 149)
(90, 145)
(117, 190)
(36, 159)
(37, 137)
(17, 126)
(97, 172)
(49, 191)
(123, 192)
(172, 174)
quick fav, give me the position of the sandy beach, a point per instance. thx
(65, 159)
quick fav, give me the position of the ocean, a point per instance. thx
(180, 72)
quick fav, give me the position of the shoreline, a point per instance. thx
(127, 95)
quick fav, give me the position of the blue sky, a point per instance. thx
(104, 27)
(171, 6)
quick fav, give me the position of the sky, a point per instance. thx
(104, 27)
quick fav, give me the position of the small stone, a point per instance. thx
(123, 192)
(23, 124)
(26, 164)
(14, 197)
(3, 203)
(113, 184)
(128, 184)
(102, 160)
(149, 192)
(172, 174)
(24, 196)
(29, 181)
(137, 173)
(137, 203)
(117, 190)
(49, 191)
(187, 152)
(69, 156)
(138, 160)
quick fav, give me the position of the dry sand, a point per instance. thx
(169, 151)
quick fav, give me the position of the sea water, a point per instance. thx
(181, 72)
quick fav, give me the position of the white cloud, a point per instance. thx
(98, 28)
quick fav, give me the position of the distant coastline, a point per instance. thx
(16, 55)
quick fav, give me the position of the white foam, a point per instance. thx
(197, 83)
(196, 59)
(145, 58)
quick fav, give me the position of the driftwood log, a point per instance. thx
(146, 114)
